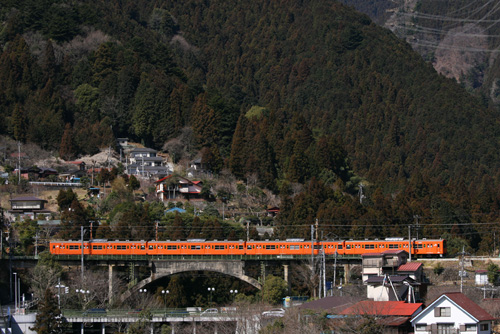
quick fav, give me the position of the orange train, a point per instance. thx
(421, 247)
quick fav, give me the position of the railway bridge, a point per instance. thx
(162, 266)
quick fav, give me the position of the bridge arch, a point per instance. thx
(162, 269)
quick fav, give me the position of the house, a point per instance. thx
(386, 262)
(146, 162)
(391, 288)
(481, 277)
(395, 316)
(389, 277)
(452, 312)
(28, 207)
(178, 188)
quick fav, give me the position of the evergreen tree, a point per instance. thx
(49, 319)
(66, 150)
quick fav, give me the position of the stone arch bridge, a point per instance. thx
(160, 269)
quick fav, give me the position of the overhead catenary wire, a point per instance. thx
(463, 17)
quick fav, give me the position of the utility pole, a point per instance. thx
(409, 241)
(312, 255)
(324, 272)
(334, 271)
(19, 160)
(462, 264)
(82, 231)
(416, 222)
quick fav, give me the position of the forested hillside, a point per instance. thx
(295, 92)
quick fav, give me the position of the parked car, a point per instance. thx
(95, 312)
(275, 312)
(210, 311)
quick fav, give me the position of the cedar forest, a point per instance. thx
(296, 92)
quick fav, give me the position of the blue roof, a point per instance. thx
(176, 210)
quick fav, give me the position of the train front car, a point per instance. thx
(429, 247)
(69, 247)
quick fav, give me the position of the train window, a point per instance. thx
(240, 247)
(196, 247)
(96, 247)
(143, 247)
(219, 247)
(74, 247)
(249, 247)
(121, 247)
(348, 246)
(369, 246)
(270, 247)
(341, 247)
(392, 246)
(172, 247)
(150, 246)
(418, 246)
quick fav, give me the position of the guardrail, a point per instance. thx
(57, 184)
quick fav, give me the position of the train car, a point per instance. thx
(99, 247)
(196, 247)
(118, 247)
(418, 247)
(280, 247)
(429, 247)
(332, 247)
(69, 247)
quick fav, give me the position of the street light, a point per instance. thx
(83, 292)
(233, 294)
(143, 290)
(15, 292)
(210, 290)
(165, 293)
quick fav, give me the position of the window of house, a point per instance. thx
(442, 312)
(421, 327)
(470, 327)
(445, 328)
(484, 327)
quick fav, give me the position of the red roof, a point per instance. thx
(469, 306)
(389, 308)
(410, 266)
(163, 178)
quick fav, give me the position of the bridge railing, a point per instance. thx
(197, 257)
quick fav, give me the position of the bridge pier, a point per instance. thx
(110, 283)
(347, 272)
(285, 274)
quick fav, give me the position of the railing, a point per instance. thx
(196, 257)
(58, 184)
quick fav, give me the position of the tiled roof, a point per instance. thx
(469, 306)
(394, 251)
(410, 266)
(334, 304)
(27, 199)
(388, 308)
(394, 279)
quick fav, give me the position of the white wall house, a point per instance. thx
(452, 313)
